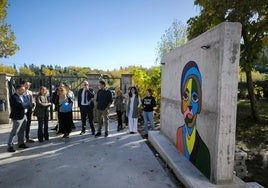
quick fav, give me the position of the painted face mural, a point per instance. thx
(189, 142)
(190, 101)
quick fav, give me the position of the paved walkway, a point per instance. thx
(121, 160)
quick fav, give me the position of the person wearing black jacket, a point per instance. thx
(19, 104)
(55, 100)
(104, 100)
(28, 94)
(86, 105)
(148, 104)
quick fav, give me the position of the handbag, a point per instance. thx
(66, 107)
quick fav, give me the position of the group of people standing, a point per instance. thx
(23, 104)
(129, 105)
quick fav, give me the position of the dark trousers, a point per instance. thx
(42, 124)
(125, 118)
(87, 112)
(28, 124)
(65, 122)
(119, 118)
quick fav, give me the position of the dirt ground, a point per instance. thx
(257, 162)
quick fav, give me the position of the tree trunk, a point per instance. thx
(253, 102)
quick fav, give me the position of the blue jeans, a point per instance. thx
(148, 116)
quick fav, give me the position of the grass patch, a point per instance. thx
(249, 131)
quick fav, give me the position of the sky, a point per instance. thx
(99, 34)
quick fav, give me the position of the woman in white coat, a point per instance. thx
(134, 104)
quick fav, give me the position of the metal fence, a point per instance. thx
(50, 82)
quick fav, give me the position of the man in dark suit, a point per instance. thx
(86, 105)
(19, 104)
(28, 94)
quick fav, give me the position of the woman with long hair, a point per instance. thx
(65, 112)
(41, 112)
(119, 104)
(133, 109)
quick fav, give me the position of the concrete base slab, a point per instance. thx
(254, 185)
(182, 168)
(121, 160)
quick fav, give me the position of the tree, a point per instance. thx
(261, 64)
(7, 37)
(48, 72)
(173, 37)
(7, 69)
(253, 15)
(148, 78)
(24, 71)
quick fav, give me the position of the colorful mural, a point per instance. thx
(189, 142)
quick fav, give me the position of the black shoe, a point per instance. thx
(64, 136)
(23, 146)
(11, 149)
(131, 132)
(82, 132)
(146, 136)
(55, 128)
(98, 134)
(106, 134)
(59, 132)
(93, 133)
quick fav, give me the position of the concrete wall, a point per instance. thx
(4, 94)
(216, 52)
(93, 81)
(126, 82)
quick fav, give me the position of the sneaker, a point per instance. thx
(23, 146)
(106, 134)
(146, 136)
(98, 134)
(11, 149)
